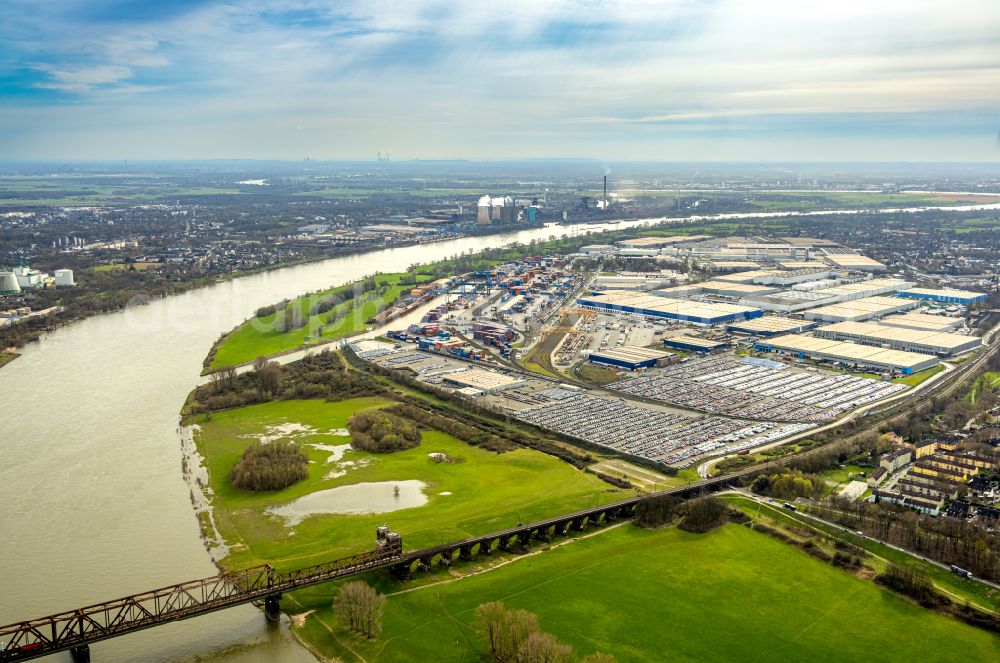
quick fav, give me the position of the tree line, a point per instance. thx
(947, 540)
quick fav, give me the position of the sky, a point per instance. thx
(663, 80)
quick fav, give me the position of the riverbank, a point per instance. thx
(19, 335)
(7, 357)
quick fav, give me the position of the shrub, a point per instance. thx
(703, 514)
(381, 432)
(656, 510)
(266, 467)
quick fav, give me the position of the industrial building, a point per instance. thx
(9, 284)
(854, 262)
(789, 301)
(661, 307)
(627, 282)
(853, 354)
(631, 357)
(923, 321)
(678, 291)
(859, 309)
(483, 380)
(944, 295)
(658, 242)
(780, 277)
(770, 325)
(727, 289)
(730, 266)
(942, 344)
(692, 343)
(869, 288)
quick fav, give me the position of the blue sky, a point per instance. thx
(915, 80)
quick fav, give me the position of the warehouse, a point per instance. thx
(855, 262)
(692, 343)
(483, 380)
(923, 321)
(632, 357)
(859, 309)
(945, 295)
(727, 289)
(733, 266)
(852, 354)
(789, 301)
(869, 288)
(897, 338)
(658, 242)
(668, 309)
(628, 282)
(770, 325)
(678, 291)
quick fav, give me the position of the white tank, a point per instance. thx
(64, 277)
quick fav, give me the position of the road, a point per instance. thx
(802, 515)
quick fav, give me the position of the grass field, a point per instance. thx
(961, 589)
(985, 383)
(731, 595)
(488, 491)
(258, 337)
(916, 378)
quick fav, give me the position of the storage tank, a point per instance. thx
(64, 277)
(9, 284)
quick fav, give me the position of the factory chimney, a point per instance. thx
(605, 192)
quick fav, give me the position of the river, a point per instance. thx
(94, 502)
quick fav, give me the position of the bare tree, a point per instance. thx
(490, 621)
(541, 647)
(269, 378)
(360, 607)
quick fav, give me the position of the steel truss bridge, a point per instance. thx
(76, 630)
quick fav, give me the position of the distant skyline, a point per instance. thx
(767, 80)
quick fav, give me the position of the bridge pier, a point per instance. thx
(576, 524)
(484, 548)
(424, 564)
(402, 571)
(524, 537)
(503, 543)
(446, 557)
(272, 607)
(80, 654)
(465, 553)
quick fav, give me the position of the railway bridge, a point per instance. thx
(75, 630)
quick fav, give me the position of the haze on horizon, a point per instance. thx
(895, 80)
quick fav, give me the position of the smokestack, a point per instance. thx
(605, 192)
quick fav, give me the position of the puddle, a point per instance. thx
(357, 498)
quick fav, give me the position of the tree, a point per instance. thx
(489, 622)
(224, 379)
(360, 607)
(268, 378)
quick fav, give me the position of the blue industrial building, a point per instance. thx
(945, 296)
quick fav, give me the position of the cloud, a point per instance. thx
(474, 78)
